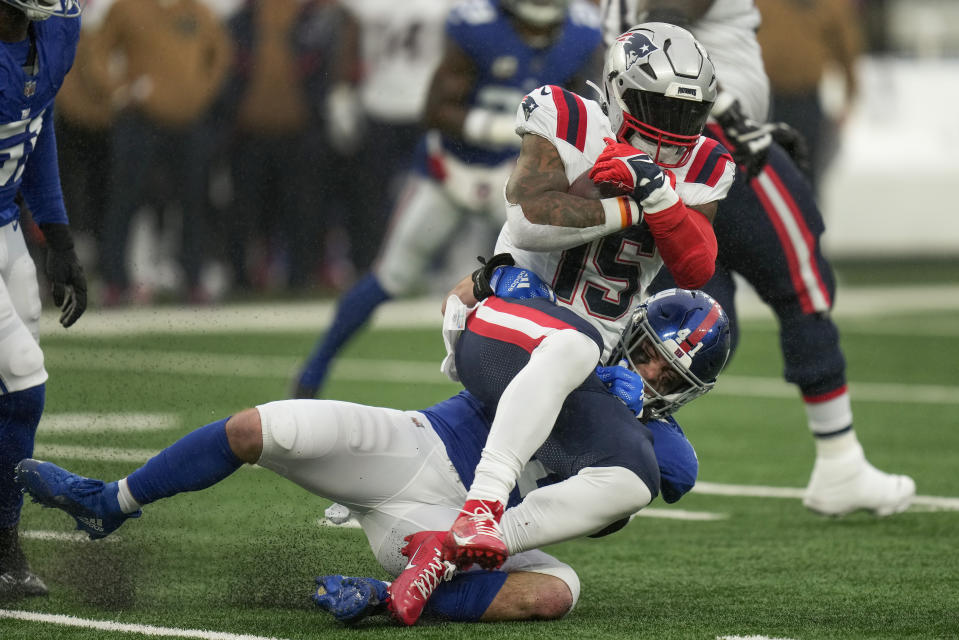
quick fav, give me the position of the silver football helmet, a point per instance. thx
(37, 10)
(659, 87)
(539, 13)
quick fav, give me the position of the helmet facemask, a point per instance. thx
(676, 386)
(687, 331)
(660, 86)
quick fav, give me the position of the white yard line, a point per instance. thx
(420, 372)
(681, 514)
(97, 422)
(139, 629)
(424, 312)
(927, 503)
(62, 536)
(54, 452)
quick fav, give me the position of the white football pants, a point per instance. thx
(388, 466)
(21, 360)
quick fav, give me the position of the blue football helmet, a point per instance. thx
(37, 10)
(687, 328)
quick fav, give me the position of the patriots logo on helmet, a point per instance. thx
(529, 105)
(636, 46)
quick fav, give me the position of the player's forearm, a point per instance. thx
(559, 209)
(563, 221)
(687, 244)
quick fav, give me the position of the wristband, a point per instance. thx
(621, 212)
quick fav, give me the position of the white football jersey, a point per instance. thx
(605, 279)
(401, 45)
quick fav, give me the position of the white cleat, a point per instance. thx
(848, 483)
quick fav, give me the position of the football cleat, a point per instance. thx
(848, 483)
(475, 536)
(92, 503)
(428, 566)
(351, 599)
(20, 584)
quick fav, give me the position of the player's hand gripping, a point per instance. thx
(625, 384)
(751, 139)
(67, 281)
(629, 168)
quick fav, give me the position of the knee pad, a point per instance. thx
(287, 432)
(21, 360)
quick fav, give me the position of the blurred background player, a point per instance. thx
(28, 170)
(768, 230)
(421, 461)
(276, 149)
(83, 117)
(170, 76)
(380, 120)
(802, 41)
(495, 53)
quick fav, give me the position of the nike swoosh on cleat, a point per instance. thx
(462, 541)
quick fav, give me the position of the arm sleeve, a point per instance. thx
(41, 179)
(686, 242)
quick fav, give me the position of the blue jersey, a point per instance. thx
(463, 423)
(508, 68)
(28, 152)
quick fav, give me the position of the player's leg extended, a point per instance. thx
(422, 222)
(769, 231)
(22, 378)
(523, 358)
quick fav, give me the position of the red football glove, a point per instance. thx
(629, 168)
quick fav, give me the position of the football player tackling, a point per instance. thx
(408, 476)
(532, 361)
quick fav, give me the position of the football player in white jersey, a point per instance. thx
(769, 233)
(526, 360)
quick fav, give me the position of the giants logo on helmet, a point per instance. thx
(636, 46)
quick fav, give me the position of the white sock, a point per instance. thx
(829, 416)
(125, 498)
(837, 446)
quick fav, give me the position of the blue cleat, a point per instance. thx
(92, 503)
(350, 599)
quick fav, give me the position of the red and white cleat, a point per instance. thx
(475, 536)
(428, 566)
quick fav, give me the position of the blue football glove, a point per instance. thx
(625, 384)
(350, 599)
(515, 282)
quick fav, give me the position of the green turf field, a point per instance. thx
(239, 559)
